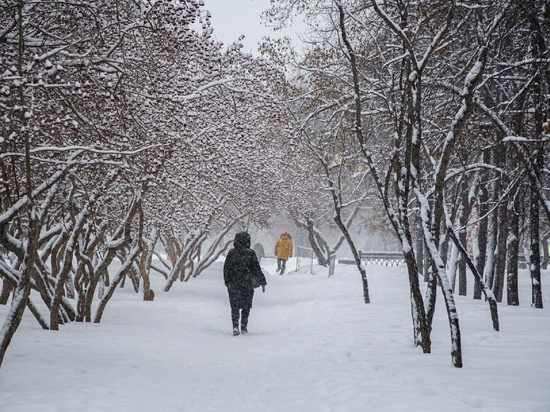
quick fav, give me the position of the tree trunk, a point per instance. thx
(512, 252)
(483, 208)
(492, 235)
(174, 251)
(351, 244)
(18, 305)
(488, 293)
(419, 248)
(7, 289)
(538, 48)
(37, 315)
(22, 290)
(310, 226)
(63, 276)
(147, 246)
(452, 314)
(462, 236)
(421, 329)
(545, 252)
(502, 223)
(454, 261)
(178, 266)
(534, 255)
(116, 281)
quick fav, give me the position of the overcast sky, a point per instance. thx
(231, 18)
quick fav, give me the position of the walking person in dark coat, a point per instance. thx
(241, 272)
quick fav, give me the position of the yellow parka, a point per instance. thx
(283, 247)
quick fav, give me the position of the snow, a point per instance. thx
(313, 345)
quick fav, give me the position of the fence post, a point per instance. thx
(302, 252)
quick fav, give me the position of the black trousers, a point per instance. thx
(240, 300)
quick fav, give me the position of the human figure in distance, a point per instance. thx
(283, 251)
(260, 252)
(241, 271)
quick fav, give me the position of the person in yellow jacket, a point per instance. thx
(283, 250)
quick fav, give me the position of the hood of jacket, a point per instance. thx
(242, 241)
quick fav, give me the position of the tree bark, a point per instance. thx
(492, 234)
(314, 243)
(147, 246)
(485, 289)
(483, 208)
(534, 255)
(538, 48)
(419, 248)
(18, 305)
(462, 235)
(512, 246)
(502, 223)
(7, 289)
(545, 251)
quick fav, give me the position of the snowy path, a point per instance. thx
(313, 346)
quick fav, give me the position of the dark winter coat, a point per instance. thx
(241, 264)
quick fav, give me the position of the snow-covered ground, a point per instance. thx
(313, 346)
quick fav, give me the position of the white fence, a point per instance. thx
(304, 258)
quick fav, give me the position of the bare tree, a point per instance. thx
(107, 135)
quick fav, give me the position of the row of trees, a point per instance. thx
(438, 110)
(124, 124)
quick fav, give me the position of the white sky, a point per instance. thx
(231, 18)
